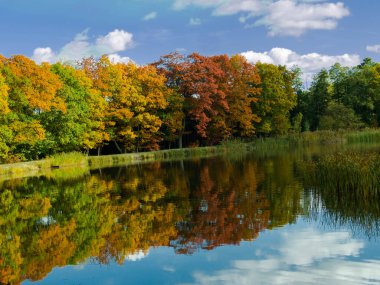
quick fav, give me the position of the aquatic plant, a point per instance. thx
(365, 136)
(346, 187)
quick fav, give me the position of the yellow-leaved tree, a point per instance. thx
(5, 133)
(135, 98)
(32, 91)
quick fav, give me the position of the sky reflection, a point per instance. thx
(295, 254)
(303, 256)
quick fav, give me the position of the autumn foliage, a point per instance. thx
(65, 218)
(100, 106)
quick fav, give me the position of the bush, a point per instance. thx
(339, 117)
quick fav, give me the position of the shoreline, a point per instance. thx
(38, 167)
(259, 145)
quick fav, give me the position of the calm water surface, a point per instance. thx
(242, 219)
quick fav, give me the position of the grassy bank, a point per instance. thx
(319, 137)
(260, 145)
(161, 155)
(76, 159)
(31, 168)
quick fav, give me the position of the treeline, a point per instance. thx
(341, 98)
(99, 106)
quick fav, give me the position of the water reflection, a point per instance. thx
(119, 214)
(345, 190)
(306, 256)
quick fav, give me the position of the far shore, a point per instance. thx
(259, 145)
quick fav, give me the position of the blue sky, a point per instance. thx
(309, 33)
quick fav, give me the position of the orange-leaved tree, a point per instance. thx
(200, 80)
(243, 90)
(32, 91)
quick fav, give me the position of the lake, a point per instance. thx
(235, 219)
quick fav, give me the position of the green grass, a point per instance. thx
(306, 139)
(162, 155)
(235, 147)
(30, 168)
(16, 169)
(67, 159)
(365, 136)
(74, 160)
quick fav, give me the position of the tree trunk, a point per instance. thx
(118, 147)
(180, 139)
(182, 166)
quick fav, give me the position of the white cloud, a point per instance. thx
(117, 40)
(281, 17)
(182, 4)
(150, 16)
(307, 257)
(195, 22)
(138, 255)
(286, 17)
(181, 50)
(43, 54)
(374, 48)
(310, 63)
(116, 58)
(313, 246)
(80, 47)
(239, 6)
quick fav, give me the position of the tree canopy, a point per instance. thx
(180, 100)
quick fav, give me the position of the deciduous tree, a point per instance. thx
(278, 97)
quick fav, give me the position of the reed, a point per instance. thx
(359, 172)
(355, 173)
(346, 185)
(365, 136)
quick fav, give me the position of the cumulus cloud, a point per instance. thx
(81, 46)
(182, 4)
(286, 17)
(138, 255)
(374, 48)
(150, 16)
(307, 257)
(117, 40)
(281, 17)
(43, 54)
(311, 246)
(310, 63)
(195, 22)
(116, 58)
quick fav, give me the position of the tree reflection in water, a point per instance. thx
(109, 214)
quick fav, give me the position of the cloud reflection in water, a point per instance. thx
(307, 257)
